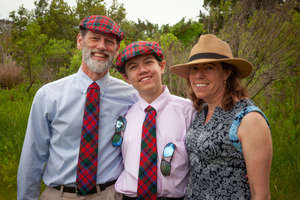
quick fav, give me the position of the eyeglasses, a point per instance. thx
(119, 128)
(165, 164)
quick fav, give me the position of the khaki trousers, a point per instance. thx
(108, 194)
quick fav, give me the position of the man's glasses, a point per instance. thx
(119, 128)
(165, 165)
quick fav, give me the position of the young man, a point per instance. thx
(71, 124)
(154, 155)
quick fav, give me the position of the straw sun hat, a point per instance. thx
(210, 49)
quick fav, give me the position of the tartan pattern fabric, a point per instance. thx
(136, 49)
(147, 181)
(102, 24)
(88, 154)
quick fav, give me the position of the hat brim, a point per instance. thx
(243, 67)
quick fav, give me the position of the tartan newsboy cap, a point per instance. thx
(137, 49)
(102, 24)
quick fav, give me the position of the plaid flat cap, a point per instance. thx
(102, 24)
(137, 49)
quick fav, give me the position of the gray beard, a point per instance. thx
(94, 65)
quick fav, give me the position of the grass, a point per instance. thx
(14, 110)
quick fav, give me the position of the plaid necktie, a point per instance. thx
(147, 182)
(87, 161)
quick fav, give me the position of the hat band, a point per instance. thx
(206, 55)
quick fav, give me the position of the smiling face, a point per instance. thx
(98, 51)
(207, 82)
(144, 74)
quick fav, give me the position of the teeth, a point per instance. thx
(201, 85)
(144, 79)
(99, 55)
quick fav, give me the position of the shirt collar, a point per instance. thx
(159, 103)
(85, 81)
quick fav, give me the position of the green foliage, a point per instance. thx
(268, 39)
(187, 32)
(167, 40)
(283, 111)
(44, 38)
(27, 50)
(174, 52)
(74, 66)
(40, 55)
(116, 11)
(58, 21)
(219, 12)
(56, 54)
(90, 7)
(139, 31)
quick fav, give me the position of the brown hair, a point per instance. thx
(233, 90)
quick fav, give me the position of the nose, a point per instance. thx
(199, 73)
(101, 44)
(142, 69)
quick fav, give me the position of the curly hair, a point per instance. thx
(233, 90)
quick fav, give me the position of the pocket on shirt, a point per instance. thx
(180, 157)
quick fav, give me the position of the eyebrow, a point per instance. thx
(150, 56)
(130, 62)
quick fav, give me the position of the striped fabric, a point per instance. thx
(87, 161)
(137, 49)
(102, 24)
(147, 181)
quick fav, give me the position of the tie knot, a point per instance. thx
(94, 85)
(149, 109)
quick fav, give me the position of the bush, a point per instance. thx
(10, 75)
(283, 110)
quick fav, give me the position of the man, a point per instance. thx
(155, 159)
(69, 144)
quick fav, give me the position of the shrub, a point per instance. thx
(10, 75)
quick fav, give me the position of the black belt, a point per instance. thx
(94, 190)
(158, 198)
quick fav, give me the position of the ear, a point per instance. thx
(162, 65)
(79, 41)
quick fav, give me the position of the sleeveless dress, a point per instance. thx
(217, 166)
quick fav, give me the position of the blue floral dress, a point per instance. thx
(217, 165)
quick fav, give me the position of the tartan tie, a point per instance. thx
(87, 161)
(147, 182)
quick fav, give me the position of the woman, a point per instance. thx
(229, 142)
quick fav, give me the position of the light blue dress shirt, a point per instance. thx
(52, 140)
